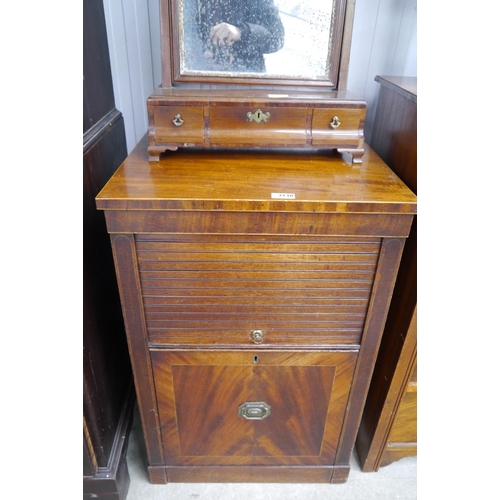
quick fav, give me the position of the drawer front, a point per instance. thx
(219, 291)
(189, 128)
(404, 428)
(242, 408)
(346, 129)
(233, 126)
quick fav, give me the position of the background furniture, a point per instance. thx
(108, 394)
(388, 429)
(255, 287)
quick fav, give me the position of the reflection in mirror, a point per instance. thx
(259, 38)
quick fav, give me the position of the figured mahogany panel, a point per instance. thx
(199, 394)
(232, 126)
(217, 292)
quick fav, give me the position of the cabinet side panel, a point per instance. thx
(390, 255)
(130, 295)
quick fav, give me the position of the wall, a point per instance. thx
(133, 28)
(384, 43)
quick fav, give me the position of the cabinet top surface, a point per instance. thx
(248, 180)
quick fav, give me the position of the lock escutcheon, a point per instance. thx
(258, 116)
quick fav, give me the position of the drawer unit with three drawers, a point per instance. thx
(180, 117)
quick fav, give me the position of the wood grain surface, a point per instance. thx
(244, 180)
(206, 254)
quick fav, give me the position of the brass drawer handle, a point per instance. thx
(258, 336)
(254, 411)
(178, 121)
(258, 116)
(335, 123)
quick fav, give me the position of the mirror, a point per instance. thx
(279, 42)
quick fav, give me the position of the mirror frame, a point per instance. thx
(338, 63)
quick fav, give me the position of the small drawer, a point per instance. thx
(332, 126)
(178, 124)
(262, 125)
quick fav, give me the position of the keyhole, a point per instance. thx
(256, 359)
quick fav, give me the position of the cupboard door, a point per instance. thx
(251, 408)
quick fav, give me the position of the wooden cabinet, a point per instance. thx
(388, 429)
(108, 393)
(254, 287)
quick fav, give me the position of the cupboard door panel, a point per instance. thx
(200, 394)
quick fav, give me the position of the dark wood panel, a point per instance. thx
(395, 139)
(107, 377)
(98, 98)
(106, 362)
(395, 128)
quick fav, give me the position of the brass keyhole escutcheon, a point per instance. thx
(258, 116)
(178, 121)
(257, 336)
(335, 123)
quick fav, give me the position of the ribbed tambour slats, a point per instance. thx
(222, 289)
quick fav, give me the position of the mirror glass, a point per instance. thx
(280, 39)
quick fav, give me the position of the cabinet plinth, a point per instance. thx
(254, 286)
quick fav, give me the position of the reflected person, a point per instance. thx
(231, 35)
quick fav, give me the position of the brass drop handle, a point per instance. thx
(258, 336)
(178, 121)
(335, 123)
(257, 410)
